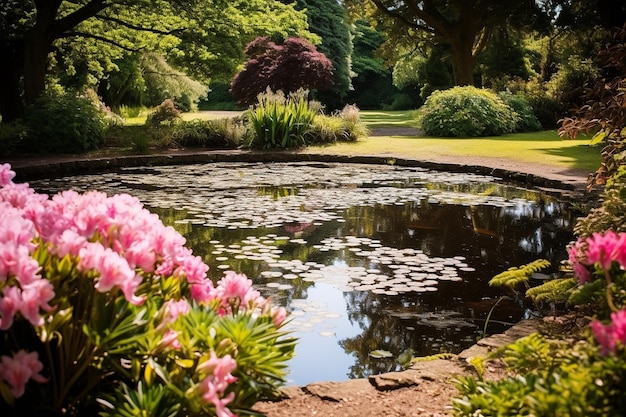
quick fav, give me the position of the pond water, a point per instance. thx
(364, 257)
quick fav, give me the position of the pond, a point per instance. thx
(364, 257)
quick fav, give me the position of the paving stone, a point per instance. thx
(339, 391)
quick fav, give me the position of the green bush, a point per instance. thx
(220, 133)
(466, 112)
(555, 378)
(64, 123)
(280, 122)
(11, 136)
(527, 121)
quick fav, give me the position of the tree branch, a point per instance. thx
(395, 15)
(99, 38)
(139, 28)
(78, 16)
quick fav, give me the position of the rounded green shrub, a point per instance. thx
(527, 121)
(63, 123)
(466, 112)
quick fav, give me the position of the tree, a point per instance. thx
(329, 20)
(605, 110)
(198, 36)
(465, 26)
(287, 67)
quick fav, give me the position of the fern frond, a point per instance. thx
(478, 362)
(518, 275)
(555, 290)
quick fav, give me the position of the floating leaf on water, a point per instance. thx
(379, 354)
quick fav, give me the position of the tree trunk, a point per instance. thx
(463, 62)
(11, 65)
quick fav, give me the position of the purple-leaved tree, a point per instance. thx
(289, 66)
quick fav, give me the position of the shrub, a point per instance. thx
(220, 133)
(106, 312)
(11, 136)
(466, 112)
(63, 123)
(166, 112)
(527, 121)
(280, 122)
(342, 126)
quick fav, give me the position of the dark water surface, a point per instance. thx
(364, 257)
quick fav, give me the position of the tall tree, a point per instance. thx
(465, 26)
(329, 20)
(193, 33)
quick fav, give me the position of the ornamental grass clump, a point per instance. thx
(105, 311)
(280, 122)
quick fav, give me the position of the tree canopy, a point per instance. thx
(464, 26)
(288, 67)
(204, 38)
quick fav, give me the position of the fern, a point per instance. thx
(515, 276)
(556, 290)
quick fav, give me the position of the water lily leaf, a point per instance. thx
(379, 354)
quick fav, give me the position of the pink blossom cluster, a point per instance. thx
(118, 239)
(19, 369)
(121, 245)
(213, 387)
(611, 335)
(599, 249)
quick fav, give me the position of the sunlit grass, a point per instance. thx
(544, 147)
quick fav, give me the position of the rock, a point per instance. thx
(339, 391)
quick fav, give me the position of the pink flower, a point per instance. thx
(278, 316)
(173, 309)
(6, 175)
(35, 296)
(236, 293)
(213, 387)
(19, 369)
(600, 249)
(9, 306)
(612, 334)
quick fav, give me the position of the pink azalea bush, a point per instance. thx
(602, 256)
(96, 293)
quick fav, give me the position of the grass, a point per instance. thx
(544, 147)
(537, 147)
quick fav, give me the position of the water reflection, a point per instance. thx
(364, 257)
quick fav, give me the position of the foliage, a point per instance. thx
(219, 97)
(219, 133)
(554, 378)
(466, 112)
(343, 126)
(514, 276)
(11, 136)
(166, 112)
(279, 121)
(605, 110)
(64, 123)
(295, 64)
(611, 214)
(329, 20)
(465, 26)
(527, 121)
(204, 39)
(105, 309)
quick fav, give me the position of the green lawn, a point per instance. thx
(544, 147)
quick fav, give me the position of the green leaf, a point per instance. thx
(380, 354)
(598, 137)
